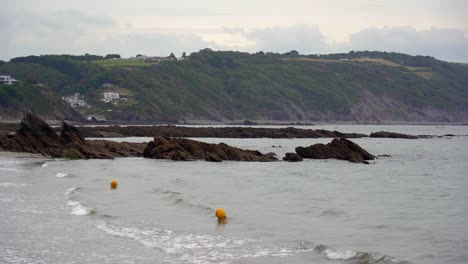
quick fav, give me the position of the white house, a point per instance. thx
(110, 96)
(6, 79)
(97, 117)
(74, 100)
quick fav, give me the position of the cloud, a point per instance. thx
(445, 44)
(154, 43)
(73, 32)
(78, 32)
(50, 32)
(303, 38)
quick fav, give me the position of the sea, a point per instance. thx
(408, 207)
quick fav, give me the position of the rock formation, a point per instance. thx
(384, 134)
(216, 132)
(36, 136)
(292, 157)
(342, 149)
(186, 149)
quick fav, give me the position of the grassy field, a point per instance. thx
(122, 63)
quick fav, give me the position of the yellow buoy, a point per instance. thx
(220, 213)
(113, 184)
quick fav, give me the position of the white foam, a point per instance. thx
(196, 248)
(72, 203)
(9, 169)
(339, 254)
(12, 184)
(44, 165)
(61, 175)
(71, 191)
(80, 209)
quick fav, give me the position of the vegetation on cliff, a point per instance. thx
(223, 86)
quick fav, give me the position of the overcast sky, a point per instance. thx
(437, 28)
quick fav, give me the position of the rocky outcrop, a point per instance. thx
(36, 136)
(216, 132)
(384, 134)
(292, 157)
(186, 149)
(342, 149)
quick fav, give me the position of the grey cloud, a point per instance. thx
(445, 44)
(75, 32)
(50, 32)
(303, 38)
(157, 44)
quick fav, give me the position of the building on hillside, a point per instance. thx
(109, 97)
(107, 85)
(96, 118)
(6, 79)
(154, 58)
(74, 100)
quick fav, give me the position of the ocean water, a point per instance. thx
(411, 207)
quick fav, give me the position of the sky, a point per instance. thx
(437, 28)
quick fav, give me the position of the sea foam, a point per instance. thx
(12, 184)
(197, 248)
(61, 175)
(80, 209)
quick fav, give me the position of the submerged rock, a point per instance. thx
(186, 149)
(384, 134)
(292, 157)
(342, 149)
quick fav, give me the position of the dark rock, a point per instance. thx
(36, 136)
(213, 158)
(216, 132)
(383, 156)
(384, 134)
(342, 149)
(71, 134)
(186, 149)
(292, 157)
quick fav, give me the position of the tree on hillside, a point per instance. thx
(112, 56)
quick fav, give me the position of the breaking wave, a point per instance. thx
(61, 175)
(356, 256)
(197, 248)
(77, 207)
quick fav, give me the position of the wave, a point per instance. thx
(197, 248)
(182, 202)
(61, 175)
(12, 184)
(175, 196)
(166, 191)
(357, 256)
(80, 209)
(44, 165)
(77, 207)
(71, 191)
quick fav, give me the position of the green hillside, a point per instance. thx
(226, 86)
(26, 97)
